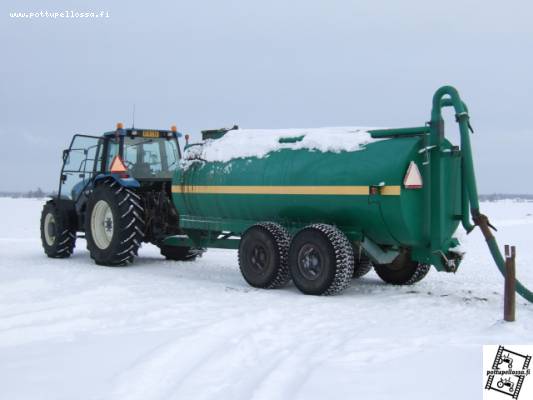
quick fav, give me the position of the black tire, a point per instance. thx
(127, 224)
(362, 263)
(321, 260)
(58, 237)
(402, 271)
(180, 253)
(263, 255)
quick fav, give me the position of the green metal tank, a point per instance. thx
(362, 192)
(313, 216)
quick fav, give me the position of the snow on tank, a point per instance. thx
(245, 143)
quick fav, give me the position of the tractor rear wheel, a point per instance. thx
(321, 260)
(263, 255)
(362, 263)
(402, 271)
(114, 224)
(180, 253)
(57, 235)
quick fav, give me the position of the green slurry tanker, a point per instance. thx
(321, 206)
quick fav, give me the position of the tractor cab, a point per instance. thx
(133, 156)
(146, 155)
(116, 189)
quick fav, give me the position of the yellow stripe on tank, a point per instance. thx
(390, 190)
(286, 190)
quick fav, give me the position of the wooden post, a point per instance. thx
(510, 284)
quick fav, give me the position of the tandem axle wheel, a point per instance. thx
(402, 271)
(320, 260)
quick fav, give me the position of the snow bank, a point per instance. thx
(243, 143)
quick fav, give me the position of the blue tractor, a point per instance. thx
(115, 190)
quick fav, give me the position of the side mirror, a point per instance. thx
(63, 178)
(65, 155)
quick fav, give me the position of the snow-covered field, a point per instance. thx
(174, 330)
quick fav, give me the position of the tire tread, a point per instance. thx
(282, 241)
(130, 225)
(363, 265)
(344, 257)
(66, 240)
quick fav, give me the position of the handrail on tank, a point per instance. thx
(397, 132)
(470, 194)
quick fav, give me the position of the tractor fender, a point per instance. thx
(126, 182)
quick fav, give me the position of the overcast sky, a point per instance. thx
(264, 64)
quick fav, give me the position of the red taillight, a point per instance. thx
(118, 166)
(413, 178)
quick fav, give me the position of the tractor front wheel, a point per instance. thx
(402, 271)
(57, 235)
(114, 224)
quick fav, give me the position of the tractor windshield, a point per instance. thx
(148, 158)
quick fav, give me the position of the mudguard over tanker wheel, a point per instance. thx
(402, 271)
(321, 260)
(114, 225)
(263, 255)
(180, 253)
(57, 235)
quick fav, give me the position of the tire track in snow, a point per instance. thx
(178, 369)
(232, 372)
(284, 381)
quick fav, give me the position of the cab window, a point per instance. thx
(148, 158)
(78, 166)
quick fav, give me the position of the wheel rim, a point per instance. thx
(50, 229)
(102, 224)
(309, 262)
(259, 258)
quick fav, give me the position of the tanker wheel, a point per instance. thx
(180, 253)
(263, 255)
(113, 224)
(321, 260)
(362, 263)
(402, 271)
(57, 236)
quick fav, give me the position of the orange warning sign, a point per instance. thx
(117, 166)
(413, 178)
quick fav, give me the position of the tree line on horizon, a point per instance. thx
(30, 194)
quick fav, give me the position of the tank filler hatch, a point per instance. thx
(217, 133)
